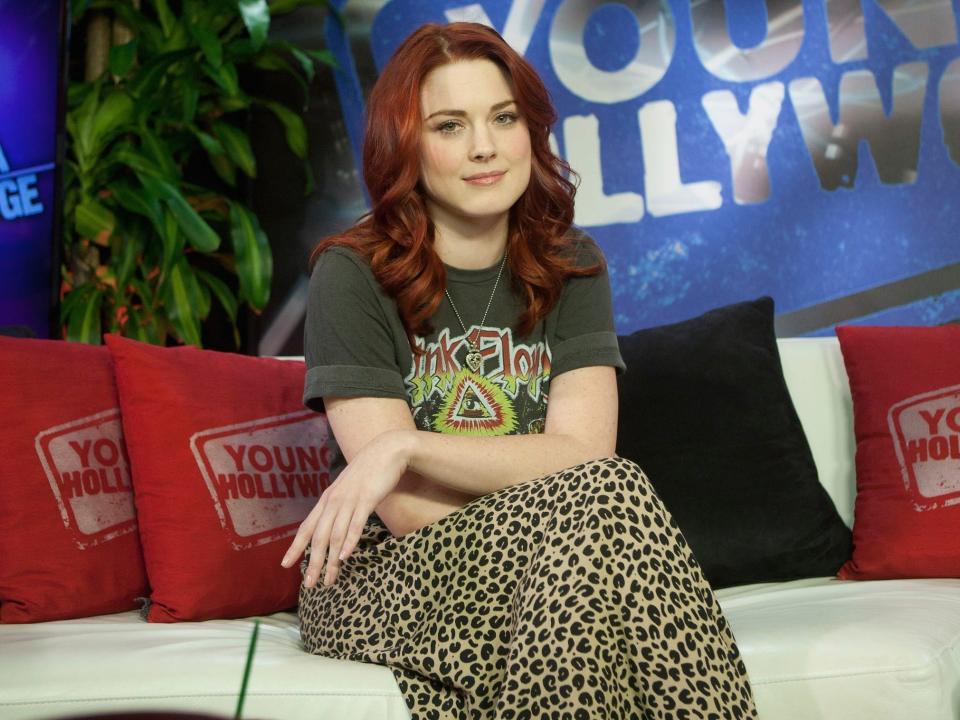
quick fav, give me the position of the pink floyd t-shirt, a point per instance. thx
(355, 346)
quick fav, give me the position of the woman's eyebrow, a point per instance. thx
(462, 113)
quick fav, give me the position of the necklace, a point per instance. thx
(474, 358)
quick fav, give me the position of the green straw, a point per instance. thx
(246, 670)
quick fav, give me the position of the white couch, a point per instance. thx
(815, 648)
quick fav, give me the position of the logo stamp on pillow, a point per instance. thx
(264, 476)
(85, 461)
(926, 436)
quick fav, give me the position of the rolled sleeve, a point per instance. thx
(348, 342)
(350, 381)
(597, 348)
(583, 331)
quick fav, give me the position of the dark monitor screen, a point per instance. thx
(32, 49)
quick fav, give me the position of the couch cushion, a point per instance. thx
(905, 383)
(68, 530)
(118, 662)
(817, 380)
(705, 411)
(832, 649)
(814, 648)
(226, 464)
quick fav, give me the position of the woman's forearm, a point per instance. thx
(481, 465)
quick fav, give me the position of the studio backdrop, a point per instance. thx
(809, 150)
(32, 46)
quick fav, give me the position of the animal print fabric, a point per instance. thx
(570, 596)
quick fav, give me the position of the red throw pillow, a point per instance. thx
(905, 383)
(226, 463)
(68, 540)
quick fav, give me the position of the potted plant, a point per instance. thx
(155, 228)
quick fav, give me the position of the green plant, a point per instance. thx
(147, 246)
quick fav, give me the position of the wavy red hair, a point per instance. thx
(397, 235)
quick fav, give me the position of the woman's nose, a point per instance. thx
(483, 147)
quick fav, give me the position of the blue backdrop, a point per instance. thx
(807, 150)
(29, 86)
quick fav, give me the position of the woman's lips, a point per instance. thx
(485, 178)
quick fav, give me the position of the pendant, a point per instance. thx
(474, 360)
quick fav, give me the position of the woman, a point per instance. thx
(486, 545)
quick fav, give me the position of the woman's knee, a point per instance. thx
(610, 474)
(610, 481)
(618, 465)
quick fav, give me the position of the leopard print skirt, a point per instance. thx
(570, 596)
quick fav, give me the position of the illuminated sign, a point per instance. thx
(32, 48)
(19, 195)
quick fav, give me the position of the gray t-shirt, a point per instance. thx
(355, 346)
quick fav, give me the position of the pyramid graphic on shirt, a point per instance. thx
(475, 406)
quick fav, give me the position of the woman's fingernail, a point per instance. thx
(308, 580)
(343, 556)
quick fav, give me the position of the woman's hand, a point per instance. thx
(335, 524)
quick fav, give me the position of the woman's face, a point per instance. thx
(475, 148)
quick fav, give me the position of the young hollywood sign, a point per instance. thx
(805, 149)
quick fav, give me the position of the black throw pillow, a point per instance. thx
(705, 411)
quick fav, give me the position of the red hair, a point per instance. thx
(397, 235)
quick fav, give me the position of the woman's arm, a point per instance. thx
(387, 458)
(366, 424)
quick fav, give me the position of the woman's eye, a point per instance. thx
(506, 118)
(448, 127)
